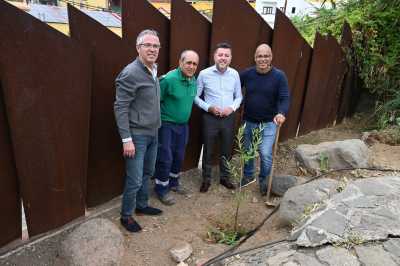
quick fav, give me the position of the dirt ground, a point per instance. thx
(191, 217)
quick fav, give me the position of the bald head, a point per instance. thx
(263, 58)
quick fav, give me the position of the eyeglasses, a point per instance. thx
(148, 45)
(263, 56)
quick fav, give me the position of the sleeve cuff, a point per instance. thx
(125, 140)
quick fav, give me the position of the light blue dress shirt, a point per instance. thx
(220, 89)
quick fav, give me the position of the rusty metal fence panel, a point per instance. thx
(190, 30)
(46, 83)
(324, 85)
(292, 54)
(350, 93)
(138, 15)
(236, 22)
(10, 202)
(110, 54)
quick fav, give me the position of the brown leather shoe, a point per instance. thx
(226, 183)
(205, 186)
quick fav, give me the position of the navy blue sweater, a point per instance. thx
(266, 95)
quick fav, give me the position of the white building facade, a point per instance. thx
(267, 8)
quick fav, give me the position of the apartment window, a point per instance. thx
(293, 10)
(267, 10)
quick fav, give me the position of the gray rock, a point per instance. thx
(374, 256)
(281, 257)
(296, 199)
(181, 251)
(304, 259)
(337, 257)
(95, 242)
(360, 213)
(331, 222)
(393, 247)
(340, 154)
(280, 184)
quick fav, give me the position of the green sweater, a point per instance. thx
(177, 93)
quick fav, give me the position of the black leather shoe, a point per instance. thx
(148, 211)
(204, 187)
(130, 224)
(227, 184)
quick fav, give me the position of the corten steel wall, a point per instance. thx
(349, 93)
(324, 85)
(110, 54)
(46, 83)
(190, 30)
(292, 54)
(138, 15)
(236, 22)
(10, 202)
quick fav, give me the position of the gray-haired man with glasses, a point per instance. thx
(137, 113)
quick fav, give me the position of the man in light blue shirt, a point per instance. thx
(221, 90)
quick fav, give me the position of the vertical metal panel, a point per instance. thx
(236, 22)
(292, 54)
(138, 15)
(46, 83)
(110, 54)
(324, 85)
(190, 30)
(10, 203)
(349, 91)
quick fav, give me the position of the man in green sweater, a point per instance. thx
(177, 91)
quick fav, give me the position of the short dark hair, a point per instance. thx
(222, 45)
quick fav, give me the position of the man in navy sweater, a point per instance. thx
(266, 104)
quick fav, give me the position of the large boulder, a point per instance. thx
(333, 155)
(298, 198)
(96, 242)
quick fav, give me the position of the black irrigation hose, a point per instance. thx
(228, 253)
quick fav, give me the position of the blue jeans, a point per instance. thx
(265, 151)
(139, 169)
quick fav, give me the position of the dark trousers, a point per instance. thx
(217, 130)
(172, 140)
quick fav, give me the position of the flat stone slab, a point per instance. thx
(287, 254)
(343, 231)
(298, 198)
(367, 209)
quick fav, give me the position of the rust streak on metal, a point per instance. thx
(46, 84)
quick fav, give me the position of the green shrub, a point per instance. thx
(375, 26)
